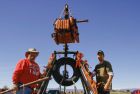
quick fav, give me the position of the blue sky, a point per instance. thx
(114, 27)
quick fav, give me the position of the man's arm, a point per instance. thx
(17, 73)
(93, 73)
(110, 74)
(109, 81)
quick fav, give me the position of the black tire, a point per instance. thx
(59, 78)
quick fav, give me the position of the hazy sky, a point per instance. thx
(114, 27)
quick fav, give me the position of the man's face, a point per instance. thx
(32, 56)
(100, 57)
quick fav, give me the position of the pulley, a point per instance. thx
(59, 78)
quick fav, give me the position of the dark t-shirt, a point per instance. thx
(102, 71)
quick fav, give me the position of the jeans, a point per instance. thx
(26, 90)
(102, 91)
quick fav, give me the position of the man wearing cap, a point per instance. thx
(27, 70)
(104, 74)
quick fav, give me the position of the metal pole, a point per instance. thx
(27, 84)
(66, 13)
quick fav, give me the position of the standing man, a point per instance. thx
(104, 74)
(27, 70)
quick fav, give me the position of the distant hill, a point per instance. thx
(127, 90)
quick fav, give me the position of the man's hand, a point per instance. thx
(107, 87)
(15, 87)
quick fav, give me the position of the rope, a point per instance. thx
(60, 87)
(61, 83)
(70, 13)
(75, 87)
(61, 13)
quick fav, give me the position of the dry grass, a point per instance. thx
(81, 92)
(120, 92)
